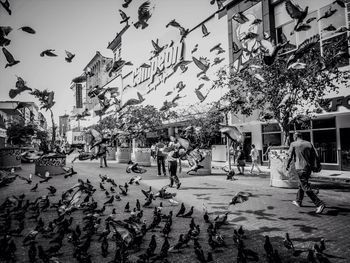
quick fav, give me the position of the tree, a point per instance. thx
(139, 120)
(46, 99)
(204, 128)
(291, 88)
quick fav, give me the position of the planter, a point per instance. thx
(123, 155)
(52, 164)
(10, 157)
(279, 176)
(143, 156)
(206, 170)
(111, 153)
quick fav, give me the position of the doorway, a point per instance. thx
(247, 146)
(345, 148)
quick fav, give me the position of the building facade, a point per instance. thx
(329, 130)
(9, 114)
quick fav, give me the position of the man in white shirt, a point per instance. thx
(254, 154)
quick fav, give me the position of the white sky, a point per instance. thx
(81, 27)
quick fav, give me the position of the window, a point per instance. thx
(323, 123)
(325, 142)
(285, 26)
(271, 127)
(325, 139)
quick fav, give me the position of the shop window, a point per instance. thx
(325, 142)
(323, 123)
(304, 135)
(273, 139)
(271, 127)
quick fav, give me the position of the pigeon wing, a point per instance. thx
(204, 30)
(8, 55)
(122, 14)
(292, 10)
(199, 64)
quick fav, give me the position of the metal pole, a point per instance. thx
(228, 145)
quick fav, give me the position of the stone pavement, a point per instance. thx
(267, 212)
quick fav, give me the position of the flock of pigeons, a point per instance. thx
(92, 216)
(109, 97)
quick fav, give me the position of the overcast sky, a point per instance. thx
(81, 27)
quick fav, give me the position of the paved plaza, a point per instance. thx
(267, 212)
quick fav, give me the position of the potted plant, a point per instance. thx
(286, 89)
(18, 136)
(202, 132)
(52, 162)
(139, 120)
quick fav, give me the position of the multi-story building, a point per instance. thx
(26, 115)
(63, 125)
(156, 76)
(329, 130)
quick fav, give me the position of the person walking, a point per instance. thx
(102, 151)
(240, 160)
(160, 157)
(172, 158)
(254, 154)
(305, 157)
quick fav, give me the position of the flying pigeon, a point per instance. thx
(125, 18)
(220, 3)
(69, 56)
(157, 48)
(295, 12)
(202, 65)
(180, 86)
(205, 30)
(330, 28)
(200, 96)
(232, 132)
(10, 59)
(240, 18)
(4, 31)
(341, 3)
(126, 3)
(27, 29)
(20, 87)
(235, 48)
(6, 6)
(183, 31)
(144, 15)
(48, 52)
(182, 65)
(195, 48)
(328, 13)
